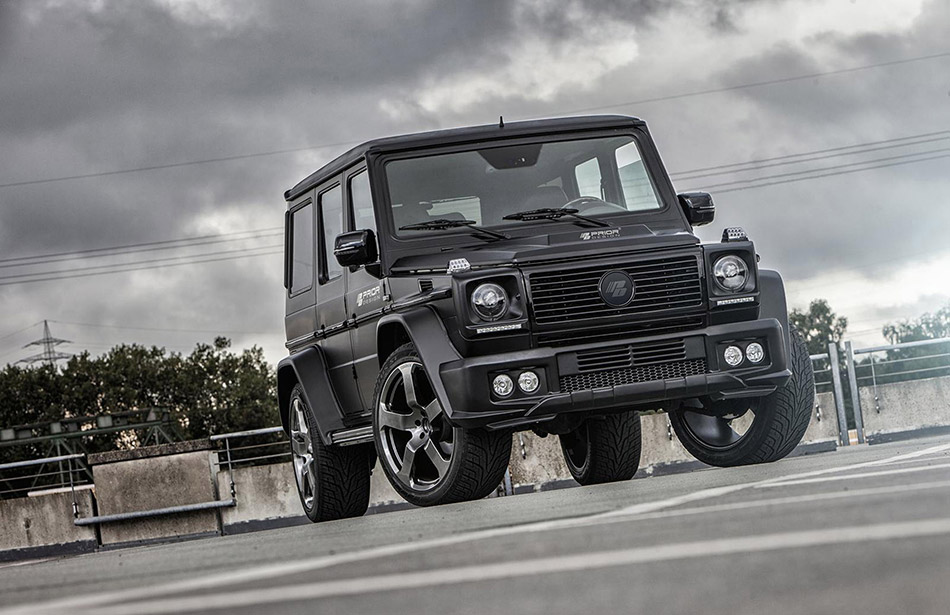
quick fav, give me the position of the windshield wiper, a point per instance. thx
(552, 213)
(442, 224)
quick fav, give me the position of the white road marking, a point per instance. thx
(26, 563)
(825, 479)
(269, 571)
(764, 503)
(539, 566)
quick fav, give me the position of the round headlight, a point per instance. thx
(732, 355)
(490, 301)
(503, 385)
(754, 352)
(528, 382)
(731, 273)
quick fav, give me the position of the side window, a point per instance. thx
(362, 202)
(638, 190)
(331, 225)
(589, 181)
(301, 264)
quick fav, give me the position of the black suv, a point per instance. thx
(448, 288)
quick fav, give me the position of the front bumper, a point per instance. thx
(572, 381)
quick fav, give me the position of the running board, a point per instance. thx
(356, 435)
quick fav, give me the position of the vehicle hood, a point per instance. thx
(573, 243)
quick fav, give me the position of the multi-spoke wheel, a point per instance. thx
(427, 459)
(603, 449)
(332, 481)
(755, 430)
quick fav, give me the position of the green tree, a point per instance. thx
(819, 325)
(212, 390)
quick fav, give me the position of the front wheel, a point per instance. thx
(603, 449)
(756, 430)
(427, 460)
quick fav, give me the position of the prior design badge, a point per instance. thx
(616, 288)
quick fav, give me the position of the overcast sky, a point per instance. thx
(94, 87)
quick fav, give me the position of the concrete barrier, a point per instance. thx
(43, 525)
(267, 497)
(905, 408)
(151, 478)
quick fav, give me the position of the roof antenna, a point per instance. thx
(501, 121)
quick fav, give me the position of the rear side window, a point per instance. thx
(331, 225)
(362, 201)
(301, 266)
(589, 180)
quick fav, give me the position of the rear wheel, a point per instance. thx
(332, 481)
(753, 430)
(428, 460)
(603, 449)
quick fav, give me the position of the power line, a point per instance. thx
(754, 84)
(818, 151)
(142, 262)
(9, 335)
(161, 329)
(79, 253)
(597, 108)
(822, 175)
(142, 268)
(754, 166)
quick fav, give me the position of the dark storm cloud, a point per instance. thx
(136, 84)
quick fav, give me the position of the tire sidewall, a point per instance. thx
(437, 494)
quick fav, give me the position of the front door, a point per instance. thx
(331, 300)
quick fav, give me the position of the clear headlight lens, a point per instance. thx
(731, 273)
(733, 356)
(754, 352)
(528, 382)
(490, 301)
(503, 385)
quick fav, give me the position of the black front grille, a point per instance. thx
(572, 295)
(631, 375)
(631, 355)
(689, 322)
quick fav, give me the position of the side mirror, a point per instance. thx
(355, 248)
(698, 207)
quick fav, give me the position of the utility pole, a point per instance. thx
(49, 343)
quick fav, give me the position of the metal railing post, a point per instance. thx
(843, 438)
(855, 393)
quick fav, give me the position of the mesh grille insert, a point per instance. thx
(631, 375)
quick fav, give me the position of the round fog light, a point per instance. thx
(503, 385)
(528, 382)
(733, 356)
(754, 352)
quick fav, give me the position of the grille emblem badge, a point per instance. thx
(616, 288)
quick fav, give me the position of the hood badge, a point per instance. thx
(458, 265)
(604, 234)
(616, 288)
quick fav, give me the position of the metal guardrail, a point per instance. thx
(48, 473)
(259, 452)
(898, 365)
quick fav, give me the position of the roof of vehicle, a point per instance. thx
(460, 135)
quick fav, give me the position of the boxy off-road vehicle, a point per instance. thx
(447, 289)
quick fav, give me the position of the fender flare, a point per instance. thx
(428, 335)
(308, 368)
(772, 302)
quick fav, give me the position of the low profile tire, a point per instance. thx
(603, 449)
(777, 425)
(427, 460)
(332, 481)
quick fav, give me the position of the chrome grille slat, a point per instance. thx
(561, 297)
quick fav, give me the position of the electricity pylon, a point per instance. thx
(49, 343)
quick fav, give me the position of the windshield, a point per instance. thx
(485, 185)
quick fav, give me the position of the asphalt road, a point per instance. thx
(860, 530)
